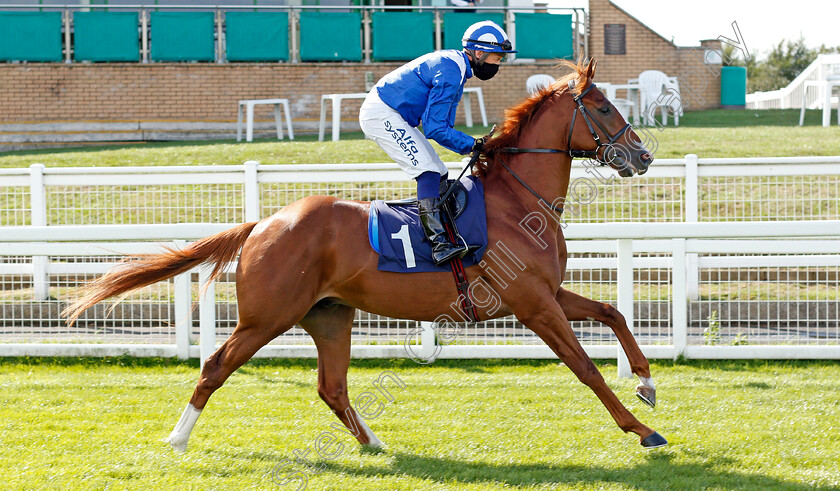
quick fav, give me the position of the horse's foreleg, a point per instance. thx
(578, 308)
(237, 350)
(330, 327)
(551, 324)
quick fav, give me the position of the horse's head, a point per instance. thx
(598, 131)
(570, 116)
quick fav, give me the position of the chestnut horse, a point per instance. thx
(311, 264)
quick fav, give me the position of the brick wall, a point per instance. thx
(208, 92)
(34, 93)
(647, 50)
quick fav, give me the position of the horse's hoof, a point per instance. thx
(646, 394)
(654, 440)
(177, 442)
(373, 449)
(178, 448)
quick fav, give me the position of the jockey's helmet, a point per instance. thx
(487, 36)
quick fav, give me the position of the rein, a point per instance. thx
(574, 153)
(558, 209)
(469, 166)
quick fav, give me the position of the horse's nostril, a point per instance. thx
(646, 158)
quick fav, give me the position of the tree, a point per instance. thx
(731, 55)
(783, 64)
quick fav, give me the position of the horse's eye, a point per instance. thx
(605, 110)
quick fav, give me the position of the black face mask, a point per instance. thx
(484, 71)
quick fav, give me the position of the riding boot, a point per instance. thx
(430, 216)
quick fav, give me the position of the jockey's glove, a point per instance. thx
(477, 146)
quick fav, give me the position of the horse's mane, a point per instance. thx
(518, 117)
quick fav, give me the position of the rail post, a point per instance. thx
(679, 297)
(68, 44)
(692, 214)
(438, 31)
(183, 312)
(144, 36)
(252, 192)
(293, 36)
(207, 314)
(367, 43)
(625, 298)
(220, 37)
(38, 214)
(428, 339)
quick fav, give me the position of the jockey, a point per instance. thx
(427, 90)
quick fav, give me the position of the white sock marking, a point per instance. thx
(181, 434)
(374, 441)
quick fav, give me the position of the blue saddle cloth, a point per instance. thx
(396, 234)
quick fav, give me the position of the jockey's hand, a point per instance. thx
(477, 146)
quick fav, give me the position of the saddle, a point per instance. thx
(454, 200)
(395, 232)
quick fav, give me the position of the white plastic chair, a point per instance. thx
(675, 107)
(659, 91)
(537, 82)
(624, 106)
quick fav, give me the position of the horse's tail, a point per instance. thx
(141, 270)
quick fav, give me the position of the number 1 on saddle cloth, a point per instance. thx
(395, 230)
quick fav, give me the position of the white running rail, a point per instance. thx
(758, 284)
(790, 97)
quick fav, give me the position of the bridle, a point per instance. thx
(588, 119)
(574, 153)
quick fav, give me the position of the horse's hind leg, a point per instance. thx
(578, 308)
(236, 350)
(329, 323)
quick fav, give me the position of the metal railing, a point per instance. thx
(580, 22)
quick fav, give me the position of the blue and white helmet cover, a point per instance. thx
(487, 36)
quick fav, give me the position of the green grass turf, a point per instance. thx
(473, 425)
(715, 133)
(732, 118)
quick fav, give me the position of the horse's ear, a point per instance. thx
(590, 68)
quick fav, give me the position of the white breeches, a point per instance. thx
(402, 142)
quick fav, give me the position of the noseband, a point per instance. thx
(590, 154)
